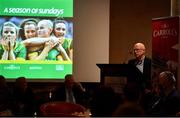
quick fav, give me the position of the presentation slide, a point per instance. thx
(36, 39)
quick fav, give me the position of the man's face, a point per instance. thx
(9, 33)
(30, 30)
(139, 51)
(43, 30)
(60, 29)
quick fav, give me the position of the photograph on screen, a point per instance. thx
(36, 41)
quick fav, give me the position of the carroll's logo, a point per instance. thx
(165, 32)
(12, 67)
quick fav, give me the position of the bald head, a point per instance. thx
(140, 46)
(139, 50)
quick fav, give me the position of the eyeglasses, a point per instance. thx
(138, 49)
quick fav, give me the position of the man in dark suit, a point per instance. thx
(143, 65)
(70, 91)
(142, 72)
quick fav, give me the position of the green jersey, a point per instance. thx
(19, 51)
(52, 55)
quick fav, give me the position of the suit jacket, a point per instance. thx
(144, 79)
(166, 106)
(60, 94)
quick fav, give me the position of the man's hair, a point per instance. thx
(68, 76)
(169, 76)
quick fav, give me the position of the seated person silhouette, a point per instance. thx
(5, 98)
(24, 98)
(168, 102)
(104, 101)
(70, 91)
(130, 107)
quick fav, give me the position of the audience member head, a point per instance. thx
(129, 110)
(139, 51)
(21, 83)
(167, 81)
(131, 93)
(69, 81)
(2, 81)
(104, 101)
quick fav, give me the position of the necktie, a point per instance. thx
(139, 62)
(139, 65)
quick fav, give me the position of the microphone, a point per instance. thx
(130, 52)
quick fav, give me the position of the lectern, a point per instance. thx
(118, 75)
(122, 70)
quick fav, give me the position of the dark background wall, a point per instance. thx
(130, 22)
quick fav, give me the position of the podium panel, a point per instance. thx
(119, 70)
(118, 75)
(117, 83)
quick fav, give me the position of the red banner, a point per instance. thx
(165, 39)
(165, 36)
